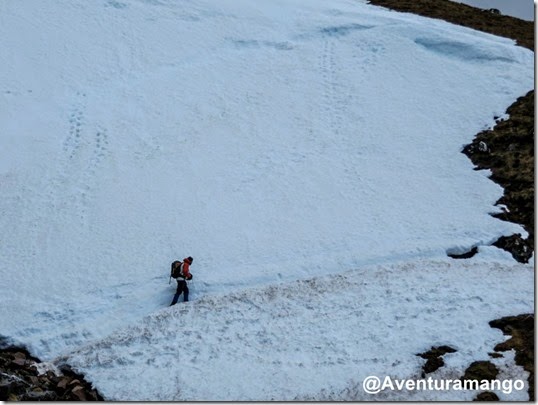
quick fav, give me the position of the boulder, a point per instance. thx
(18, 363)
(79, 393)
(63, 383)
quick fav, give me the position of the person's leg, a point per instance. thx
(185, 292)
(178, 293)
(176, 297)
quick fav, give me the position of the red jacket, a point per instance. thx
(186, 266)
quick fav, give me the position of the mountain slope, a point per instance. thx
(272, 142)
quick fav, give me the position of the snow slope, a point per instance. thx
(316, 339)
(272, 142)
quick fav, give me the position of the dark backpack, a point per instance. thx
(176, 268)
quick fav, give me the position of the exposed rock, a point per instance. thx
(73, 382)
(38, 394)
(18, 363)
(483, 147)
(20, 380)
(62, 384)
(18, 355)
(79, 393)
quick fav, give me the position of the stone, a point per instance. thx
(5, 390)
(483, 146)
(18, 355)
(78, 393)
(18, 363)
(39, 395)
(93, 395)
(63, 383)
(25, 378)
(74, 382)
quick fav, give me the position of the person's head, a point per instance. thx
(189, 259)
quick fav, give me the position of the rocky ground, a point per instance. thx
(24, 378)
(508, 151)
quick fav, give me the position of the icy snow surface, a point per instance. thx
(274, 142)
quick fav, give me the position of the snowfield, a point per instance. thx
(315, 339)
(306, 154)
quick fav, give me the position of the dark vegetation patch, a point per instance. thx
(481, 370)
(434, 358)
(508, 151)
(521, 328)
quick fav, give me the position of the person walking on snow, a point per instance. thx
(184, 275)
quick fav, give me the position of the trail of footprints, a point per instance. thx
(85, 150)
(334, 93)
(72, 142)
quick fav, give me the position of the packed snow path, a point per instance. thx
(272, 142)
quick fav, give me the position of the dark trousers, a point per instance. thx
(181, 288)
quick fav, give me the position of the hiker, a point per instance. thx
(183, 274)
